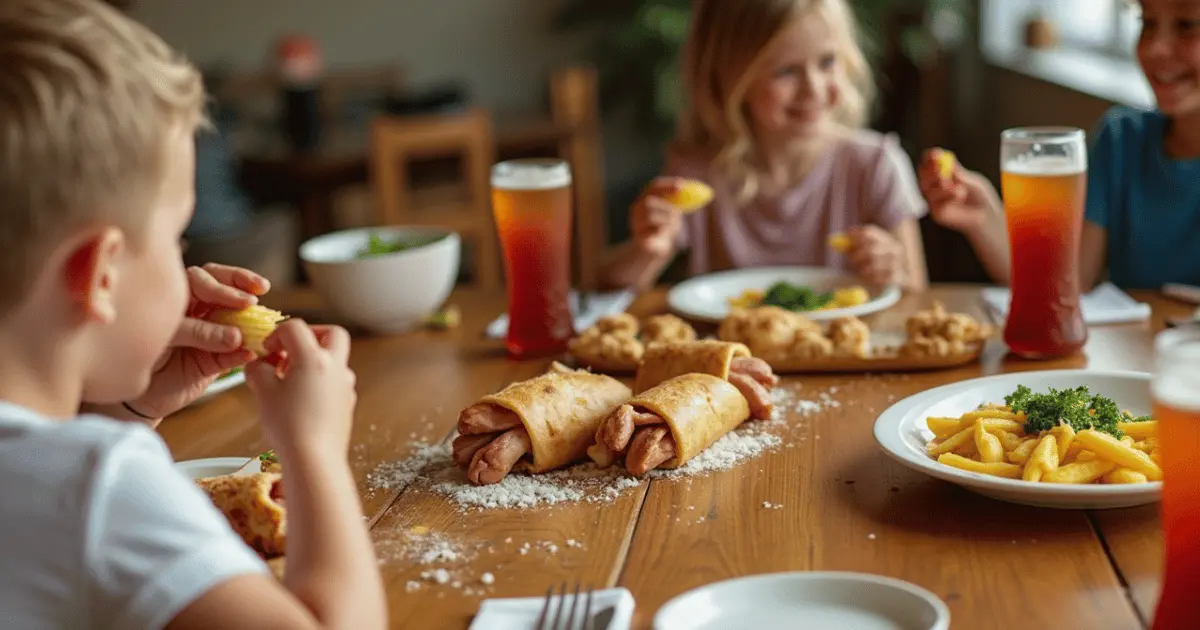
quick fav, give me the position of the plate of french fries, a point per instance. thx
(1075, 439)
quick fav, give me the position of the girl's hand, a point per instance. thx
(877, 256)
(305, 389)
(965, 201)
(201, 350)
(655, 223)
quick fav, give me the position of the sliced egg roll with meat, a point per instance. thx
(535, 426)
(254, 506)
(726, 360)
(670, 423)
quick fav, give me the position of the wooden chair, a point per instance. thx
(465, 207)
(575, 111)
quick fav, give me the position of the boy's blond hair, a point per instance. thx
(87, 100)
(724, 51)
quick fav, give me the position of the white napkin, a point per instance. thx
(1106, 304)
(599, 305)
(521, 613)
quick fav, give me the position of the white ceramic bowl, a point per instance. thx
(386, 293)
(816, 600)
(903, 433)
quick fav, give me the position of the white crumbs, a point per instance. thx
(870, 536)
(787, 401)
(742, 444)
(488, 579)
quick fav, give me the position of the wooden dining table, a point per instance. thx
(836, 501)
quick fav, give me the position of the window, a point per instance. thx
(1108, 26)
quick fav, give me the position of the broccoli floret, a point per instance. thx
(795, 298)
(1075, 407)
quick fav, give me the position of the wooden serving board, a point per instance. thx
(885, 360)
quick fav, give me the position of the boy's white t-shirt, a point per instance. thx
(99, 530)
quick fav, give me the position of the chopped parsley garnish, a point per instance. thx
(236, 370)
(269, 457)
(378, 246)
(795, 298)
(1076, 407)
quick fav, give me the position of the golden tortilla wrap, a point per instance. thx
(698, 408)
(663, 361)
(561, 411)
(252, 505)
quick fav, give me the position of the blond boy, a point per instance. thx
(97, 118)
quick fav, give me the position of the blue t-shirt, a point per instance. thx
(1148, 202)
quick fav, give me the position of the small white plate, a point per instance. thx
(706, 298)
(806, 601)
(217, 466)
(902, 433)
(221, 385)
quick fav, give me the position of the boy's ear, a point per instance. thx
(92, 273)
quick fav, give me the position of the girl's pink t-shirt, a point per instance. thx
(864, 178)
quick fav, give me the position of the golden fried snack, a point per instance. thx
(619, 322)
(766, 330)
(616, 343)
(254, 506)
(256, 323)
(726, 360)
(666, 329)
(850, 337)
(936, 333)
(535, 425)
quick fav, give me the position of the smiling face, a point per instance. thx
(798, 84)
(1169, 52)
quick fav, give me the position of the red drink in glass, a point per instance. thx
(531, 200)
(1044, 179)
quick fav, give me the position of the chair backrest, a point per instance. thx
(575, 109)
(465, 207)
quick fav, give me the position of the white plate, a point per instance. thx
(902, 433)
(806, 601)
(216, 466)
(706, 298)
(221, 385)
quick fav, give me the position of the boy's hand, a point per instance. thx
(201, 350)
(305, 389)
(655, 223)
(876, 255)
(965, 201)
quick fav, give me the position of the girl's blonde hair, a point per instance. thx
(724, 50)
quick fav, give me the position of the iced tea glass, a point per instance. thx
(1176, 396)
(531, 200)
(1044, 181)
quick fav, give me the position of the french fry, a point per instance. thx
(1021, 454)
(943, 427)
(1112, 449)
(996, 469)
(1086, 456)
(1010, 441)
(1147, 445)
(1127, 441)
(1043, 460)
(988, 445)
(839, 242)
(1080, 472)
(951, 443)
(996, 425)
(1139, 430)
(1155, 457)
(971, 416)
(1124, 475)
(1064, 435)
(945, 161)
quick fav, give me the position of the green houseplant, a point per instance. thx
(636, 45)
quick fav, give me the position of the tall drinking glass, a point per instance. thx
(1044, 179)
(531, 200)
(1176, 394)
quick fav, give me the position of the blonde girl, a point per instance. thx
(779, 92)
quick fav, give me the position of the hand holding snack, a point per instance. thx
(201, 350)
(959, 199)
(654, 220)
(305, 389)
(876, 255)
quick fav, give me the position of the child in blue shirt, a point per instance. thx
(1142, 222)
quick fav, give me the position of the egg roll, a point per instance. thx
(726, 360)
(535, 426)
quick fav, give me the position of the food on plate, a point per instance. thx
(269, 462)
(1068, 436)
(725, 360)
(945, 163)
(839, 242)
(256, 323)
(449, 317)
(254, 506)
(670, 423)
(536, 425)
(794, 297)
(379, 246)
(936, 333)
(616, 343)
(690, 196)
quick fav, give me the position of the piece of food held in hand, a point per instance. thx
(728, 361)
(616, 343)
(535, 426)
(256, 323)
(690, 196)
(670, 423)
(253, 504)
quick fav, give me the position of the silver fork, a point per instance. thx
(545, 619)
